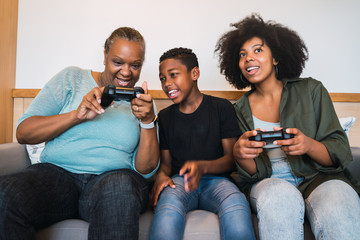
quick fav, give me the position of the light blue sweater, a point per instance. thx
(107, 142)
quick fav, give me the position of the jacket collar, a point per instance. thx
(243, 105)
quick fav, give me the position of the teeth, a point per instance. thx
(172, 93)
(122, 82)
(251, 68)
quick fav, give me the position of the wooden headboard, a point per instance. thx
(346, 105)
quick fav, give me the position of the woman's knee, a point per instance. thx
(333, 209)
(120, 181)
(333, 200)
(118, 193)
(125, 184)
(277, 195)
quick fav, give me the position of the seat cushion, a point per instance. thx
(200, 225)
(72, 229)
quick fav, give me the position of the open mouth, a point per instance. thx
(252, 70)
(122, 83)
(249, 69)
(173, 94)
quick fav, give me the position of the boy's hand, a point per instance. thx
(142, 106)
(161, 182)
(192, 173)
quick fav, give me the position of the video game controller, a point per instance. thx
(271, 136)
(112, 93)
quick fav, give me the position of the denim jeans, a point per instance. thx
(44, 194)
(215, 194)
(333, 210)
(280, 209)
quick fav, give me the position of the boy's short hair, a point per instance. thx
(185, 55)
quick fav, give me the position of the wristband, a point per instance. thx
(149, 125)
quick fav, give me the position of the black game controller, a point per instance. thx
(112, 93)
(271, 136)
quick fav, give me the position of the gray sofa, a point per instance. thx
(199, 225)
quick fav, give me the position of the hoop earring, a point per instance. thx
(241, 78)
(276, 71)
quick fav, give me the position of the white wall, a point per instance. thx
(53, 34)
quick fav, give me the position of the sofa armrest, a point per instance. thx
(13, 158)
(354, 166)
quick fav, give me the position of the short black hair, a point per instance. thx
(287, 48)
(185, 55)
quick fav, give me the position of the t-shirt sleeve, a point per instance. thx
(229, 126)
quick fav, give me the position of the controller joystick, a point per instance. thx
(271, 136)
(112, 93)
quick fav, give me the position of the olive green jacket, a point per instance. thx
(306, 105)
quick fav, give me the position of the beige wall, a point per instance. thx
(8, 35)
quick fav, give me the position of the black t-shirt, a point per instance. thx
(197, 136)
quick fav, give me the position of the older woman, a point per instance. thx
(96, 161)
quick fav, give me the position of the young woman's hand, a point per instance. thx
(247, 149)
(161, 182)
(142, 106)
(192, 172)
(90, 105)
(299, 145)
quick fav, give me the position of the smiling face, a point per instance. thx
(256, 61)
(123, 63)
(176, 81)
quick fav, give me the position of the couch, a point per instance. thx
(200, 224)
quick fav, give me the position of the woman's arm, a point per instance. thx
(147, 156)
(37, 129)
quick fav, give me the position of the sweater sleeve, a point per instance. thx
(49, 100)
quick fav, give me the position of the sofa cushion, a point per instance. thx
(72, 229)
(202, 225)
(13, 158)
(354, 166)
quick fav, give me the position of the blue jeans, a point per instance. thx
(215, 194)
(333, 210)
(44, 194)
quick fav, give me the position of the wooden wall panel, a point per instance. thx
(343, 109)
(350, 109)
(8, 37)
(18, 111)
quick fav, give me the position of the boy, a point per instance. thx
(197, 134)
